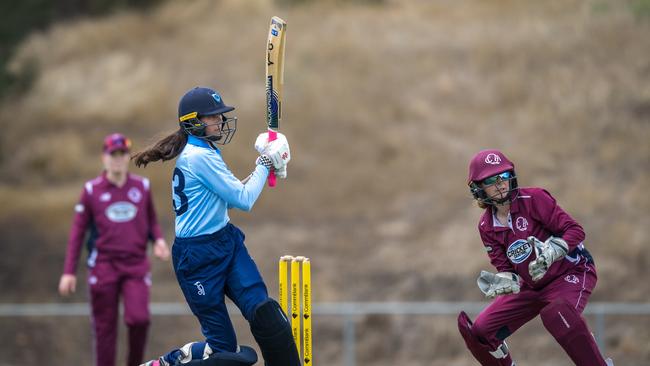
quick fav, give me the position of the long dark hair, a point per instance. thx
(165, 149)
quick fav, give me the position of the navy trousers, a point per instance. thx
(207, 268)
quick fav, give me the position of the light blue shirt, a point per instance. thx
(203, 189)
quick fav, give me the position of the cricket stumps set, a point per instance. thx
(290, 270)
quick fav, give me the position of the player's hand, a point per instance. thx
(281, 173)
(495, 284)
(279, 153)
(67, 284)
(547, 252)
(161, 250)
(262, 141)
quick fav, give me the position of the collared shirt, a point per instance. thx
(203, 189)
(121, 221)
(533, 212)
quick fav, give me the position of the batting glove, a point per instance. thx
(279, 153)
(262, 141)
(264, 160)
(281, 173)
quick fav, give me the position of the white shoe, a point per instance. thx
(609, 362)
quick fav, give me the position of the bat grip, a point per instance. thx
(272, 136)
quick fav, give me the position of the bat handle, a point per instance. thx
(272, 136)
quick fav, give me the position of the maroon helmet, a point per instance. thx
(485, 164)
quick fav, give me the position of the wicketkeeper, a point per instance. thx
(542, 267)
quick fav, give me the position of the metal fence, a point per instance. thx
(349, 311)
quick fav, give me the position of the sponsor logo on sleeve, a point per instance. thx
(121, 211)
(79, 208)
(519, 251)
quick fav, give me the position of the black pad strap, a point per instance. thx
(245, 357)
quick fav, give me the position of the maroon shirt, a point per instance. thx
(121, 219)
(533, 212)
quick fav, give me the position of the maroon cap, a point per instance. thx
(487, 163)
(116, 141)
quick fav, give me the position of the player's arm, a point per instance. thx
(498, 257)
(68, 281)
(160, 247)
(214, 174)
(556, 220)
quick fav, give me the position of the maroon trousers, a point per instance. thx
(508, 313)
(108, 280)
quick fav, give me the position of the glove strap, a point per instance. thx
(265, 161)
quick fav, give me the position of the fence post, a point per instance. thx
(600, 328)
(349, 339)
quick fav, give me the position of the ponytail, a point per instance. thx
(482, 204)
(165, 149)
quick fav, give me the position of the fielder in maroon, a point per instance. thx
(543, 267)
(117, 209)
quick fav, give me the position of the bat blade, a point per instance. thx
(274, 79)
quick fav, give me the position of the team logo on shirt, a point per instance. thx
(92, 280)
(519, 251)
(493, 159)
(572, 279)
(121, 211)
(105, 197)
(521, 223)
(134, 194)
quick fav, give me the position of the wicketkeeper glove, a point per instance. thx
(553, 249)
(495, 284)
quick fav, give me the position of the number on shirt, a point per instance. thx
(178, 182)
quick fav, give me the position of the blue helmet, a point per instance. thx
(199, 102)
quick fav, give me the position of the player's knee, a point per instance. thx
(475, 340)
(272, 331)
(556, 311)
(562, 319)
(475, 328)
(252, 299)
(268, 319)
(138, 321)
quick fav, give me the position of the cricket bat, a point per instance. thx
(274, 79)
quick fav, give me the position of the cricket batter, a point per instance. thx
(209, 255)
(117, 209)
(543, 267)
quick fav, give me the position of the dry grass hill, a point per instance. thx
(385, 104)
